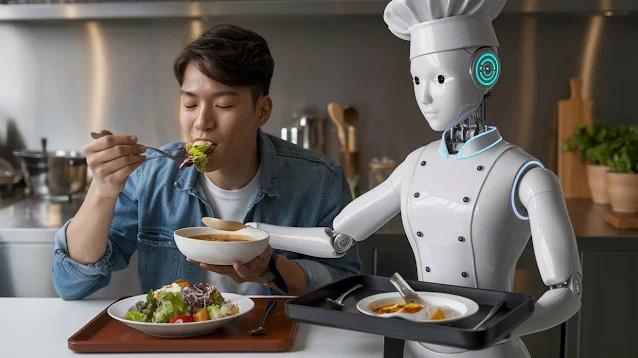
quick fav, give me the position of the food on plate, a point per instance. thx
(182, 302)
(432, 312)
(222, 237)
(197, 154)
(388, 308)
(438, 314)
(412, 308)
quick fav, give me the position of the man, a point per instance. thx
(134, 204)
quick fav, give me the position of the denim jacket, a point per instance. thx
(297, 188)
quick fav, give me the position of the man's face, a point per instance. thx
(221, 114)
(443, 88)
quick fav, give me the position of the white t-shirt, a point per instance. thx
(230, 205)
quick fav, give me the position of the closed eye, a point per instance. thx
(224, 107)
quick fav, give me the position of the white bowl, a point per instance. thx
(178, 330)
(217, 252)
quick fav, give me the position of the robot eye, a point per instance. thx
(416, 80)
(441, 79)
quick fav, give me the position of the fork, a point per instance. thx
(178, 159)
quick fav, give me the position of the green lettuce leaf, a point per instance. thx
(136, 316)
(171, 304)
(213, 311)
(197, 153)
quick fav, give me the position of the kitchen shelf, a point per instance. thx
(29, 10)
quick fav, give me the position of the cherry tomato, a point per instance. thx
(181, 319)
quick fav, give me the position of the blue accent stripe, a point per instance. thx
(459, 156)
(442, 147)
(489, 130)
(518, 176)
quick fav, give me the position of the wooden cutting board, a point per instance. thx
(622, 220)
(571, 112)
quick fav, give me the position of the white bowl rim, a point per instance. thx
(151, 324)
(363, 305)
(264, 234)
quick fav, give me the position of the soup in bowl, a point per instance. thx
(218, 247)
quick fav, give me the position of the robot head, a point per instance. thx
(450, 85)
(452, 53)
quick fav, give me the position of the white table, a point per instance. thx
(40, 327)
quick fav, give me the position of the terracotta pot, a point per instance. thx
(623, 192)
(597, 183)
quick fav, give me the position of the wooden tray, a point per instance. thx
(104, 334)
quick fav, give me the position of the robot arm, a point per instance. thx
(556, 251)
(356, 222)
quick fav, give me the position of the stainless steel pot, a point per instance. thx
(9, 176)
(311, 128)
(55, 173)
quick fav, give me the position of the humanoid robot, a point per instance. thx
(470, 201)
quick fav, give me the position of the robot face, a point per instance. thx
(443, 88)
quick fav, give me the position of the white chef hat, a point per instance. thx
(442, 25)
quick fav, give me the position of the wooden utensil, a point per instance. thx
(572, 172)
(350, 116)
(336, 112)
(224, 225)
(350, 164)
(352, 139)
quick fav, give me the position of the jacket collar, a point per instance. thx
(474, 146)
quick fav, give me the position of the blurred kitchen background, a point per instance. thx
(69, 67)
(63, 75)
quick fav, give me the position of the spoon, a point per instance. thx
(261, 330)
(408, 294)
(338, 303)
(224, 225)
(179, 159)
(350, 116)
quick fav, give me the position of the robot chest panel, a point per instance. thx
(440, 204)
(443, 192)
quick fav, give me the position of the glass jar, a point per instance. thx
(380, 170)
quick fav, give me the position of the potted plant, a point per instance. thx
(622, 178)
(596, 144)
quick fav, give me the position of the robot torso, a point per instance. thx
(462, 219)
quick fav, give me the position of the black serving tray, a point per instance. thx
(311, 308)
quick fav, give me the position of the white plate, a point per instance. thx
(462, 307)
(178, 330)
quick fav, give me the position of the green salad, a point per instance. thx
(182, 302)
(197, 154)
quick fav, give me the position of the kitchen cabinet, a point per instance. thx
(605, 325)
(27, 233)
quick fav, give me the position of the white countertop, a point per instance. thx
(40, 327)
